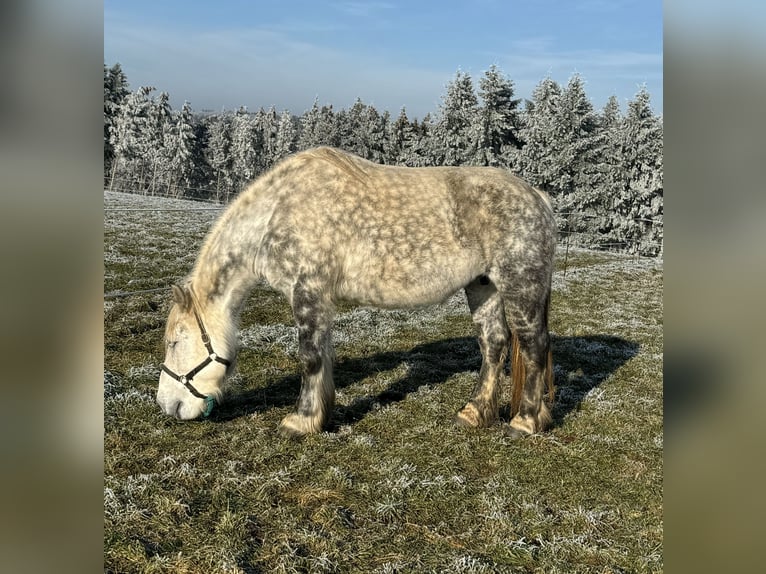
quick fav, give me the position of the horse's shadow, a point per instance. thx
(580, 365)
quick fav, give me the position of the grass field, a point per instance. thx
(393, 486)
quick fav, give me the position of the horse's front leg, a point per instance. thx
(313, 316)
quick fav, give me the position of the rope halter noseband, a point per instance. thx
(186, 379)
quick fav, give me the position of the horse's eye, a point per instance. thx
(171, 344)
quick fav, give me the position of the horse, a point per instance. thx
(324, 226)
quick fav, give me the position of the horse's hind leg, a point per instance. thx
(528, 315)
(313, 315)
(488, 314)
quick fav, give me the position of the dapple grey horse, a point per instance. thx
(325, 226)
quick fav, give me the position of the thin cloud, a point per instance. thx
(602, 6)
(597, 61)
(287, 62)
(363, 9)
(604, 72)
(258, 67)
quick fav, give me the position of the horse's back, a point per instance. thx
(394, 236)
(470, 202)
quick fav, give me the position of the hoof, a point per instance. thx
(514, 433)
(520, 427)
(462, 421)
(295, 426)
(291, 433)
(471, 416)
(468, 417)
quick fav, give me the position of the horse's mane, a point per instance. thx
(348, 164)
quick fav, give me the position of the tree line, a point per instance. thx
(602, 168)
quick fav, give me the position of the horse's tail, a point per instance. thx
(519, 371)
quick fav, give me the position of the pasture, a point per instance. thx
(394, 485)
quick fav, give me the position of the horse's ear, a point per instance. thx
(182, 297)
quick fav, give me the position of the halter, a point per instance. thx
(186, 379)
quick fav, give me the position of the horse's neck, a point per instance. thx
(223, 276)
(227, 267)
(219, 312)
(223, 287)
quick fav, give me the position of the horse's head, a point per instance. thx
(192, 373)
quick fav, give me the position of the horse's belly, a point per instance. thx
(395, 283)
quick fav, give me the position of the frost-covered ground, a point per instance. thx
(393, 486)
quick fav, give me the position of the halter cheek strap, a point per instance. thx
(186, 379)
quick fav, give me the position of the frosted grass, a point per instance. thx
(401, 486)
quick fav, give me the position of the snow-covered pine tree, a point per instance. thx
(131, 139)
(179, 143)
(158, 155)
(361, 130)
(375, 126)
(611, 116)
(115, 91)
(287, 135)
(498, 121)
(422, 153)
(266, 123)
(538, 159)
(260, 132)
(352, 131)
(243, 152)
(202, 172)
(219, 156)
(319, 126)
(269, 130)
(400, 141)
(309, 122)
(327, 127)
(579, 142)
(454, 135)
(608, 169)
(638, 203)
(386, 138)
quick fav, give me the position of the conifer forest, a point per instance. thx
(603, 168)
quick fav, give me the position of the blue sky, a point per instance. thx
(390, 53)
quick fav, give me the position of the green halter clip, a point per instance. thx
(209, 404)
